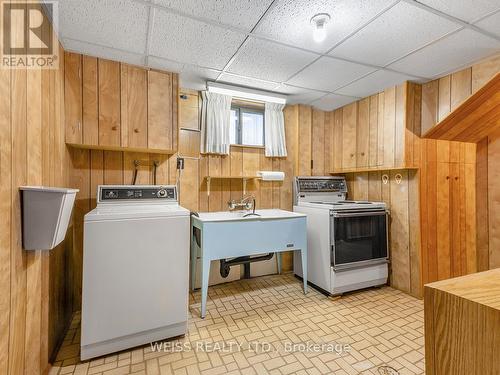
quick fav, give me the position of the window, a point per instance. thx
(247, 126)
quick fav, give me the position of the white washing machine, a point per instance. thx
(135, 269)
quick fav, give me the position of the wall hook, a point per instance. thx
(385, 179)
(398, 177)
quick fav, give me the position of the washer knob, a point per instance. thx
(162, 193)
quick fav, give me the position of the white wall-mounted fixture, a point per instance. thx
(271, 175)
(246, 93)
(319, 21)
(46, 214)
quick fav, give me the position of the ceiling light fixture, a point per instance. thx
(319, 21)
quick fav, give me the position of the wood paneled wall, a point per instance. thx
(90, 168)
(34, 306)
(402, 199)
(378, 122)
(363, 135)
(461, 161)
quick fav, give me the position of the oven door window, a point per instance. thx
(359, 238)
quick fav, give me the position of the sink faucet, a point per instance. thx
(247, 202)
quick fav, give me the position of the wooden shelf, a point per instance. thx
(378, 169)
(244, 178)
(472, 120)
(123, 149)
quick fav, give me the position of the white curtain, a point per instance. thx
(275, 130)
(215, 123)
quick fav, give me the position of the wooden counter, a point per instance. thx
(462, 325)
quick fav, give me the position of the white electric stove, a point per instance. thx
(347, 240)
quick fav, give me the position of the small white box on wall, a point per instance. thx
(46, 214)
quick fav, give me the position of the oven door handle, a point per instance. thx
(358, 214)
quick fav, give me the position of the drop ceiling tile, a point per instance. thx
(333, 101)
(164, 64)
(188, 41)
(329, 74)
(289, 20)
(115, 23)
(244, 14)
(103, 52)
(269, 61)
(401, 30)
(448, 54)
(249, 82)
(190, 76)
(196, 79)
(491, 24)
(298, 95)
(374, 83)
(464, 10)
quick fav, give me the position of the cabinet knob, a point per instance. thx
(362, 154)
(352, 155)
(447, 177)
(136, 130)
(456, 177)
(114, 128)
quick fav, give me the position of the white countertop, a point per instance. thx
(265, 214)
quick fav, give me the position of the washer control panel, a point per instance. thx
(137, 193)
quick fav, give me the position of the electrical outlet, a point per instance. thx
(180, 163)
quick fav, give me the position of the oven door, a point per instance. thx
(358, 238)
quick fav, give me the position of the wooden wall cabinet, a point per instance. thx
(189, 124)
(114, 106)
(377, 132)
(189, 110)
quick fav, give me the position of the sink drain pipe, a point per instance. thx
(225, 265)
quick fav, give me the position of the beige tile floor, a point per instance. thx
(251, 326)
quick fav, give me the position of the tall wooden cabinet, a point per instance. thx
(115, 106)
(448, 216)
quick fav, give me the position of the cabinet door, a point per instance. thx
(318, 143)
(109, 103)
(160, 114)
(90, 115)
(443, 224)
(189, 110)
(349, 120)
(73, 96)
(458, 230)
(337, 140)
(373, 132)
(134, 97)
(363, 133)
